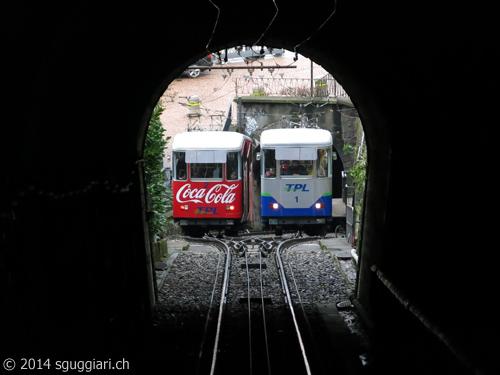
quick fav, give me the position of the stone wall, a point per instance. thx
(337, 115)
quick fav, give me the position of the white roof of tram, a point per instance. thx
(208, 140)
(299, 137)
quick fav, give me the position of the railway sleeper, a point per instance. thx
(253, 265)
(242, 253)
(259, 300)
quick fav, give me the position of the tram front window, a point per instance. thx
(296, 168)
(206, 171)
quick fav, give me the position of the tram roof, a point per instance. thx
(295, 137)
(208, 140)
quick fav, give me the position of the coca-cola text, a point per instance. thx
(219, 193)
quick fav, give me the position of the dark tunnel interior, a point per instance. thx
(78, 84)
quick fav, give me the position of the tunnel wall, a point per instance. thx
(78, 84)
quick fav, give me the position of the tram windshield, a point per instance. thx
(206, 171)
(296, 168)
(205, 164)
(292, 162)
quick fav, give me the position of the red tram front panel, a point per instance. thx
(207, 202)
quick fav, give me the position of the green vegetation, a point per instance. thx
(358, 172)
(358, 176)
(160, 202)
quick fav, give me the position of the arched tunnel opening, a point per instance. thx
(181, 311)
(75, 260)
(297, 93)
(439, 358)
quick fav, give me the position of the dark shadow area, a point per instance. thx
(78, 83)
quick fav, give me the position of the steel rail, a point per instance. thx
(299, 297)
(264, 314)
(288, 299)
(225, 286)
(209, 313)
(294, 281)
(249, 314)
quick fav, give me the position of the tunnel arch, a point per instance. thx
(374, 127)
(380, 52)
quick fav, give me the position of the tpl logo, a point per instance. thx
(206, 210)
(296, 187)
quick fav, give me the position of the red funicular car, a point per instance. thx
(212, 181)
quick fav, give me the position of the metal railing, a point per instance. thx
(325, 86)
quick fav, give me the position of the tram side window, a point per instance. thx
(323, 163)
(269, 161)
(232, 166)
(180, 169)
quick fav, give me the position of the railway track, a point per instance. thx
(259, 325)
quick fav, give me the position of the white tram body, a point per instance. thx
(212, 175)
(296, 179)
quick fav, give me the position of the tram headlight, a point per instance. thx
(274, 206)
(184, 207)
(319, 205)
(230, 208)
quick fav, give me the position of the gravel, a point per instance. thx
(321, 278)
(187, 287)
(181, 312)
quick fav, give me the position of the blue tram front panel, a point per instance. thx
(296, 201)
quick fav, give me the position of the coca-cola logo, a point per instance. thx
(219, 193)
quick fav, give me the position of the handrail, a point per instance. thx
(325, 86)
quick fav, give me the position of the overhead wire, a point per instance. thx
(315, 32)
(215, 90)
(261, 52)
(215, 26)
(268, 26)
(257, 42)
